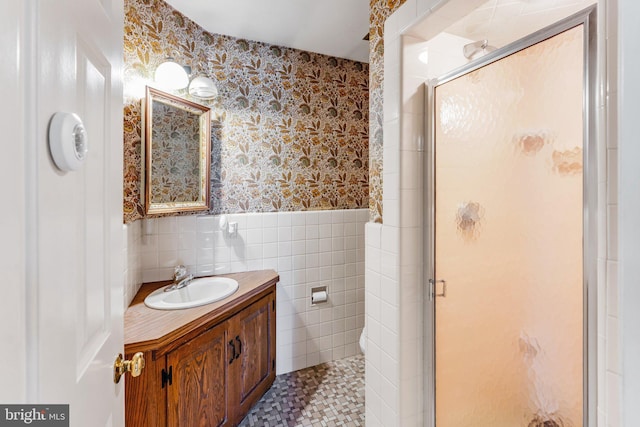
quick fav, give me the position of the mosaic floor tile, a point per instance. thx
(327, 395)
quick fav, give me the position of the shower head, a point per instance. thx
(469, 50)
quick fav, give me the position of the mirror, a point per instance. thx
(177, 154)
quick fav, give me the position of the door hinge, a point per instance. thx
(273, 364)
(273, 304)
(167, 377)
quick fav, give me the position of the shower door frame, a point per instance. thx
(588, 18)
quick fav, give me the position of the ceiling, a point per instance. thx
(331, 27)
(504, 21)
(337, 27)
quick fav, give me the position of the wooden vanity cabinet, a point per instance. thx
(212, 375)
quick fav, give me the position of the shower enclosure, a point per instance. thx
(511, 273)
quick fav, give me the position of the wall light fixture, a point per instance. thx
(172, 76)
(203, 87)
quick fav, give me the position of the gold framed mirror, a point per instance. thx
(177, 157)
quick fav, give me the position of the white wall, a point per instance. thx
(629, 210)
(307, 249)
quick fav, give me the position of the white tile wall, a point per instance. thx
(307, 249)
(609, 328)
(394, 284)
(132, 260)
(382, 370)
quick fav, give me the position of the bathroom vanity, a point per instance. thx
(205, 365)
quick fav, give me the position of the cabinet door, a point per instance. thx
(145, 403)
(252, 372)
(197, 395)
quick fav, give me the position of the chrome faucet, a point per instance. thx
(180, 278)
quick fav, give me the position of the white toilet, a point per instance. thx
(363, 339)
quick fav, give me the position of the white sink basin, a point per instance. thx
(201, 291)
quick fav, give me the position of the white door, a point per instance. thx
(78, 249)
(13, 212)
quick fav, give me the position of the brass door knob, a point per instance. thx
(134, 366)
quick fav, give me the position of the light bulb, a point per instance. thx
(170, 75)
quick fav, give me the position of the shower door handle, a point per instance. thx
(432, 288)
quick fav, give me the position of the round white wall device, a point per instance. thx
(67, 141)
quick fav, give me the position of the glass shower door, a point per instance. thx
(508, 169)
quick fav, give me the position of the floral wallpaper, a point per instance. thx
(379, 10)
(290, 129)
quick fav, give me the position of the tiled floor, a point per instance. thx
(327, 395)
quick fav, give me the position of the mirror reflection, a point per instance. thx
(177, 154)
